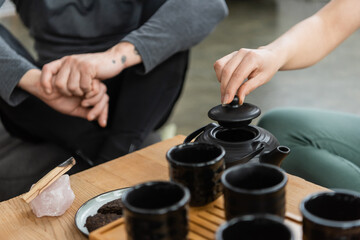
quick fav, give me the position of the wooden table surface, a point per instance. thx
(18, 222)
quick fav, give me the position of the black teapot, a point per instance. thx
(243, 143)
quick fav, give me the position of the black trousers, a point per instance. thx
(139, 103)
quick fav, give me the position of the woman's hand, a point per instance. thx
(302, 46)
(73, 75)
(258, 66)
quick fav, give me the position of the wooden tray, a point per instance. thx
(203, 224)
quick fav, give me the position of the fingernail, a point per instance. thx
(86, 104)
(91, 117)
(47, 90)
(104, 123)
(242, 100)
(226, 99)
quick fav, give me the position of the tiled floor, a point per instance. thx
(332, 84)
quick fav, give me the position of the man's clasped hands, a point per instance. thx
(73, 84)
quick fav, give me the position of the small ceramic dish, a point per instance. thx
(91, 206)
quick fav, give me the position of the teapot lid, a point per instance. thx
(234, 114)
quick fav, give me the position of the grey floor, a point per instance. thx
(332, 84)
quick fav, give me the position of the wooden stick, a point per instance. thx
(48, 179)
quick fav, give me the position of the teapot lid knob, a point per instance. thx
(234, 103)
(234, 114)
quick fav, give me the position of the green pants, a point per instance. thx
(325, 146)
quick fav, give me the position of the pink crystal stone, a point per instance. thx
(55, 199)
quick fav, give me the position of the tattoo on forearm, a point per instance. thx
(123, 59)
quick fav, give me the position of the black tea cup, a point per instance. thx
(254, 227)
(254, 188)
(156, 210)
(331, 215)
(199, 167)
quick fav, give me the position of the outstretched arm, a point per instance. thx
(312, 39)
(303, 45)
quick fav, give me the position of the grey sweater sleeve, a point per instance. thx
(176, 26)
(12, 68)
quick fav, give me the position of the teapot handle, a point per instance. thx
(194, 134)
(251, 155)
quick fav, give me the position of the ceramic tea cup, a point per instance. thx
(199, 167)
(254, 188)
(156, 210)
(331, 215)
(254, 227)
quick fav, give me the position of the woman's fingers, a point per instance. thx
(258, 66)
(243, 70)
(220, 64)
(229, 72)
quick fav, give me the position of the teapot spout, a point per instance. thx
(275, 156)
